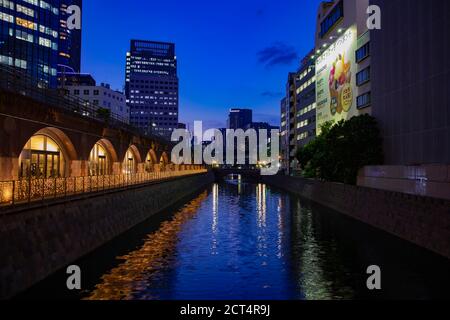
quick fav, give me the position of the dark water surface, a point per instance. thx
(242, 240)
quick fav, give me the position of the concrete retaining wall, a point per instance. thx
(420, 220)
(425, 180)
(35, 242)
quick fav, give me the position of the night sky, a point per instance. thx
(234, 53)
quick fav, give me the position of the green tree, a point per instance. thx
(342, 149)
(103, 113)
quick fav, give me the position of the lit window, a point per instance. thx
(41, 158)
(6, 17)
(26, 24)
(25, 10)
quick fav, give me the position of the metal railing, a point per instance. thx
(19, 82)
(32, 190)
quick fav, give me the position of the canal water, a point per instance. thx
(244, 240)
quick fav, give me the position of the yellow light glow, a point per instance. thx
(6, 194)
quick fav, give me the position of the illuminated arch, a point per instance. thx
(101, 158)
(47, 154)
(131, 160)
(164, 160)
(150, 161)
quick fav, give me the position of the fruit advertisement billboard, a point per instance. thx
(336, 80)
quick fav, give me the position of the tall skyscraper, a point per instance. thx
(69, 57)
(239, 118)
(151, 86)
(31, 35)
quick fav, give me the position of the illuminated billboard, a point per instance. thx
(336, 80)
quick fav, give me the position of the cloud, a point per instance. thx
(277, 54)
(272, 94)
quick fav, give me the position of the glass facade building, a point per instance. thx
(30, 37)
(69, 56)
(151, 87)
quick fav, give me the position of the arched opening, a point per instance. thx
(164, 158)
(150, 162)
(163, 162)
(100, 160)
(42, 157)
(130, 162)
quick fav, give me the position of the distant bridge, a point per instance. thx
(221, 173)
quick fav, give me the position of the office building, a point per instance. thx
(30, 38)
(239, 118)
(69, 57)
(305, 96)
(333, 80)
(410, 85)
(258, 126)
(411, 81)
(398, 75)
(151, 87)
(101, 97)
(243, 119)
(284, 133)
(342, 61)
(78, 79)
(298, 112)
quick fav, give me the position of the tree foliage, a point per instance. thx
(341, 150)
(103, 113)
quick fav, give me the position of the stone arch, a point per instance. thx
(136, 152)
(62, 140)
(48, 153)
(150, 161)
(153, 156)
(131, 160)
(110, 148)
(102, 158)
(164, 160)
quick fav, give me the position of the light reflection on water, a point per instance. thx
(248, 241)
(142, 265)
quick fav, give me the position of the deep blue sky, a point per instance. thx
(233, 53)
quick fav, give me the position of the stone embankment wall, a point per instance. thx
(421, 220)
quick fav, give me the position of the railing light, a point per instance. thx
(29, 190)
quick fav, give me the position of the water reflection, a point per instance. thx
(261, 205)
(141, 265)
(313, 258)
(243, 240)
(215, 222)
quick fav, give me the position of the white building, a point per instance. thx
(342, 55)
(102, 97)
